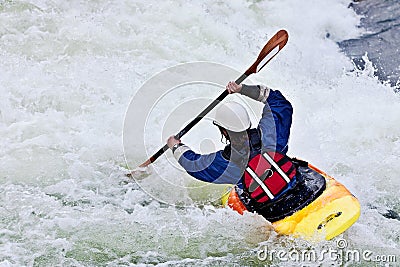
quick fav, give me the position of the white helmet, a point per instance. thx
(232, 116)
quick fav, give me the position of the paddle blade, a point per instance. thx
(270, 50)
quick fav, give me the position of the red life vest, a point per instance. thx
(267, 175)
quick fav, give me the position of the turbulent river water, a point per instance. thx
(68, 72)
(380, 41)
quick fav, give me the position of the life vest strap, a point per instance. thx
(261, 183)
(282, 161)
(277, 168)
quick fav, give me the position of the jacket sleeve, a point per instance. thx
(276, 122)
(213, 168)
(276, 117)
(256, 92)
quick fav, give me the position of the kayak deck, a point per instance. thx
(329, 215)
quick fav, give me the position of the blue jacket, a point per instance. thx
(275, 131)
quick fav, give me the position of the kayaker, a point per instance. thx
(246, 147)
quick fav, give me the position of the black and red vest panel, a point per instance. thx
(267, 175)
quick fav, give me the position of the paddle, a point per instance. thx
(270, 50)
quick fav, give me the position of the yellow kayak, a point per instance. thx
(329, 215)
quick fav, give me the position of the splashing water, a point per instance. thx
(67, 73)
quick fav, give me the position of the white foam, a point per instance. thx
(67, 73)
